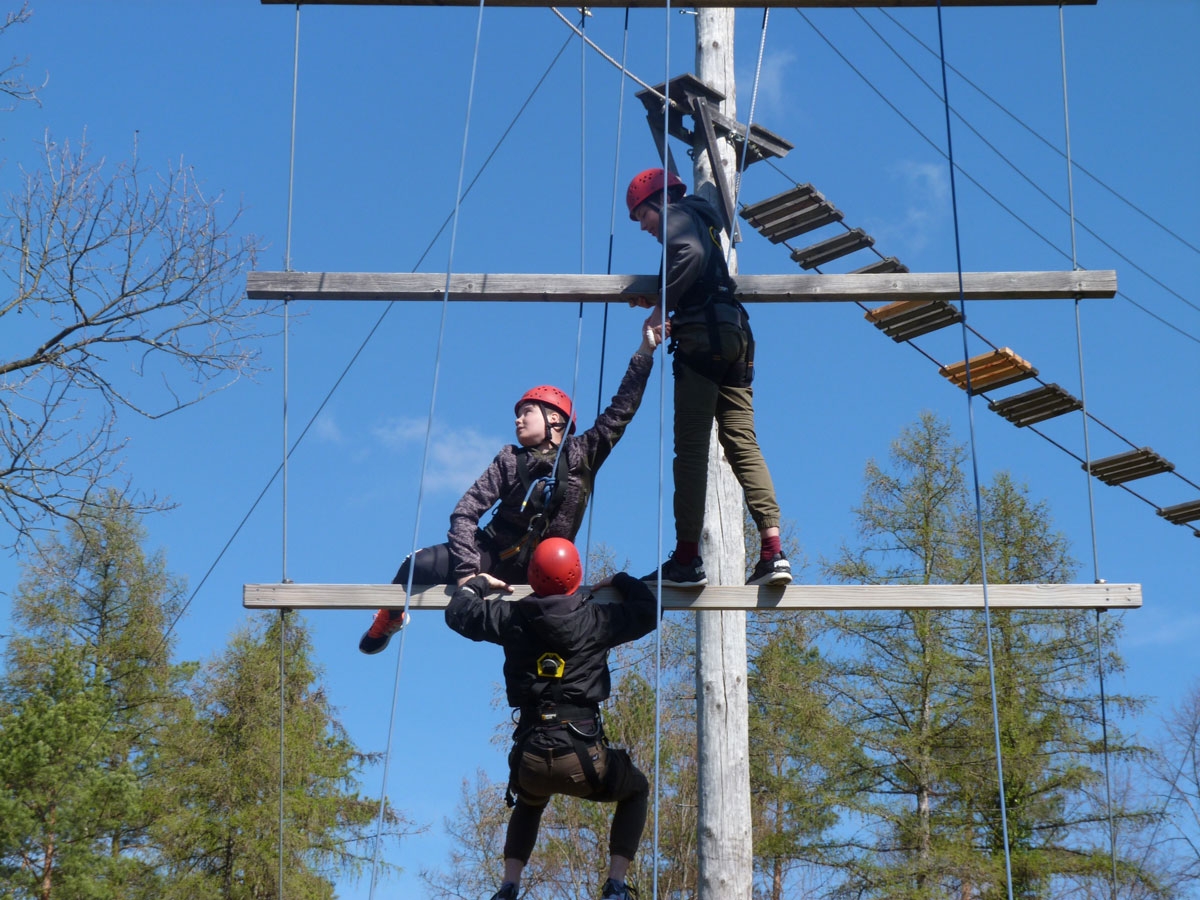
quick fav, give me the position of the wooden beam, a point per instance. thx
(886, 286)
(621, 4)
(797, 596)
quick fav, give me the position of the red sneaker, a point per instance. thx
(387, 622)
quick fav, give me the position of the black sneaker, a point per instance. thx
(774, 571)
(508, 891)
(614, 890)
(676, 574)
(386, 623)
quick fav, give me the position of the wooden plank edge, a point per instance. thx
(1098, 284)
(797, 596)
(656, 4)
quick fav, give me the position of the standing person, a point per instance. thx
(542, 486)
(556, 645)
(713, 367)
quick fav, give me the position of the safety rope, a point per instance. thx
(287, 265)
(283, 580)
(662, 419)
(552, 480)
(458, 192)
(612, 231)
(1087, 452)
(983, 575)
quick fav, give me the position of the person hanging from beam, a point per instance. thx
(556, 645)
(710, 336)
(540, 488)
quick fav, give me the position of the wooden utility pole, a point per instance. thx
(724, 840)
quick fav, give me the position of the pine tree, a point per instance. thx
(61, 799)
(803, 762)
(221, 838)
(94, 599)
(917, 687)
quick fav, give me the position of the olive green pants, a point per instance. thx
(540, 774)
(714, 383)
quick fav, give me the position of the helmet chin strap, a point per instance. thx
(550, 427)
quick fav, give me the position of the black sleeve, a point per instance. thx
(687, 252)
(474, 616)
(637, 610)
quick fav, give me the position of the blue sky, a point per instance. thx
(381, 108)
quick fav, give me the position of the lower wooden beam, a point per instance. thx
(884, 286)
(796, 596)
(648, 4)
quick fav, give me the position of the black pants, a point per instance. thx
(434, 565)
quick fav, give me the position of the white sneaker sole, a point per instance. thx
(775, 579)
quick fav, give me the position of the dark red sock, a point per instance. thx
(771, 547)
(686, 551)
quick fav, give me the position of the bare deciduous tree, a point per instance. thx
(124, 290)
(12, 80)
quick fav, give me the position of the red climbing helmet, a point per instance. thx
(552, 397)
(555, 568)
(649, 184)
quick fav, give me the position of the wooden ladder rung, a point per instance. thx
(907, 319)
(1181, 513)
(882, 267)
(990, 370)
(791, 213)
(833, 248)
(794, 220)
(1037, 405)
(800, 194)
(1129, 466)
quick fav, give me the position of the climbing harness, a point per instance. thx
(546, 493)
(711, 300)
(552, 728)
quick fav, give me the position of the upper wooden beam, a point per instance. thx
(796, 596)
(888, 286)
(621, 4)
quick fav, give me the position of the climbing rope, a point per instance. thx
(1087, 450)
(612, 231)
(983, 575)
(287, 265)
(458, 192)
(662, 419)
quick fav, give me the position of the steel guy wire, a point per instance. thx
(987, 612)
(737, 193)
(1070, 213)
(1087, 450)
(237, 530)
(1074, 164)
(989, 194)
(458, 195)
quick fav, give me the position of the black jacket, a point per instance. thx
(580, 631)
(696, 269)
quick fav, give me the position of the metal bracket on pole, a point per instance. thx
(701, 113)
(656, 129)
